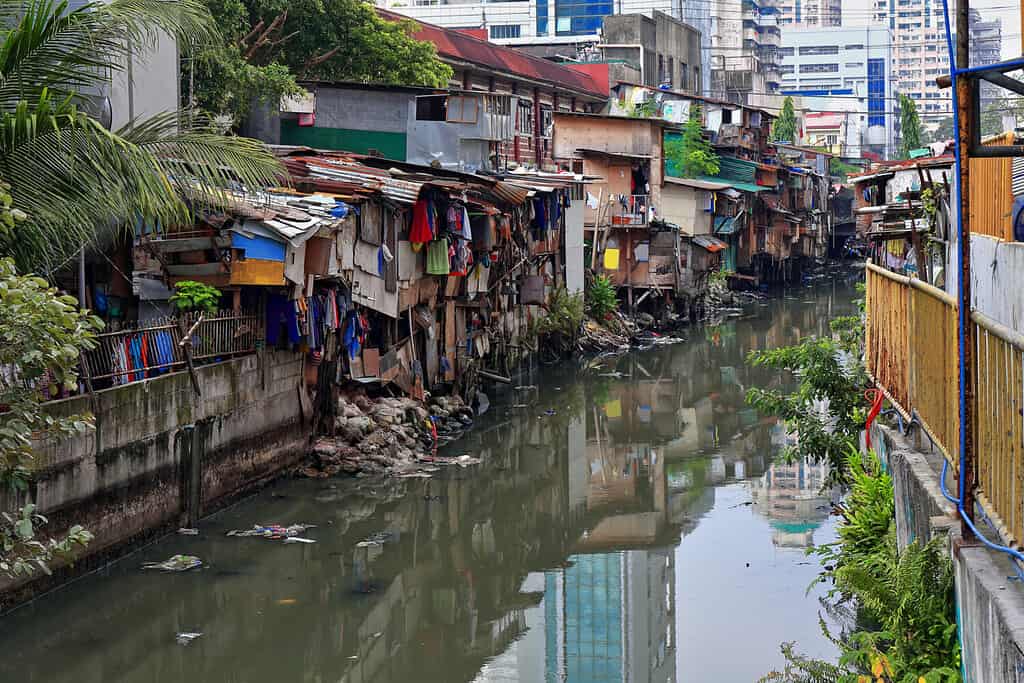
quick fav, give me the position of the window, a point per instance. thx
(818, 68)
(431, 107)
(684, 76)
(855, 65)
(786, 69)
(854, 47)
(524, 118)
(785, 52)
(499, 105)
(831, 139)
(727, 116)
(547, 122)
(661, 69)
(506, 31)
(462, 109)
(820, 50)
(670, 71)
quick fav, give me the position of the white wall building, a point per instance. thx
(919, 47)
(848, 71)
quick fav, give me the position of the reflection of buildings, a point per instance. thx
(791, 497)
(609, 618)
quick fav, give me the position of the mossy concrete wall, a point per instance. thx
(989, 594)
(161, 456)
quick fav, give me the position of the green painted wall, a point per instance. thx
(391, 145)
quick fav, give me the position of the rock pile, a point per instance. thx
(378, 435)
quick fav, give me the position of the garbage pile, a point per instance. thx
(373, 436)
(175, 563)
(276, 532)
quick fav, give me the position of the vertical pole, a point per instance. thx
(82, 301)
(965, 96)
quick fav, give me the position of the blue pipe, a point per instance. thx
(1015, 63)
(963, 310)
(942, 484)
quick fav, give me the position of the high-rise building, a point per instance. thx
(745, 38)
(919, 47)
(811, 13)
(986, 45)
(846, 72)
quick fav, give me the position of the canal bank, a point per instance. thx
(629, 520)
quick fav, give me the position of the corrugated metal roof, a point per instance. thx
(710, 242)
(454, 45)
(402, 191)
(736, 184)
(699, 184)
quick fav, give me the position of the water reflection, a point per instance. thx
(605, 542)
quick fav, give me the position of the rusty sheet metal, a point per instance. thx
(991, 182)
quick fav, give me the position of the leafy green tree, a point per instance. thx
(784, 127)
(69, 176)
(910, 127)
(265, 45)
(41, 335)
(691, 154)
(944, 131)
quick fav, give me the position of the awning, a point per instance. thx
(726, 225)
(737, 184)
(710, 242)
(699, 184)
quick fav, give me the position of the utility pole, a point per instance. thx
(966, 102)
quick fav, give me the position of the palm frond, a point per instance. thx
(77, 181)
(204, 166)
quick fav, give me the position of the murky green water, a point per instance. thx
(641, 533)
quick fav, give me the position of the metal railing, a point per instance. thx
(630, 210)
(912, 354)
(146, 352)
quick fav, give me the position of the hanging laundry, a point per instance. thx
(467, 230)
(437, 258)
(421, 232)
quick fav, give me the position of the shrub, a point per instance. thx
(195, 296)
(601, 298)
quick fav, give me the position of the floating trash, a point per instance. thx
(273, 532)
(188, 532)
(187, 638)
(298, 539)
(175, 563)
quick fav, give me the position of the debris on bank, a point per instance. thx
(387, 435)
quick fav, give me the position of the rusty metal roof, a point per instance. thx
(454, 45)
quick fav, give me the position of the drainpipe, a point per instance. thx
(536, 128)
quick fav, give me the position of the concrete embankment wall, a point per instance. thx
(161, 456)
(990, 602)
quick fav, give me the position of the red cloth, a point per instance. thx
(419, 233)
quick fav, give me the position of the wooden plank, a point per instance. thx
(257, 272)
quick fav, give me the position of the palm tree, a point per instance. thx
(70, 178)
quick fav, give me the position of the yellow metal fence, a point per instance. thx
(911, 339)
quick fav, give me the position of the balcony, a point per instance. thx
(741, 81)
(631, 211)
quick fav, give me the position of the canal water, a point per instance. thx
(626, 524)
